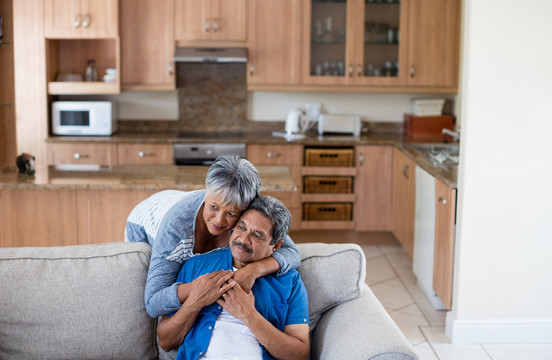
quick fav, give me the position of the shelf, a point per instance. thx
(82, 88)
(334, 225)
(328, 171)
(328, 197)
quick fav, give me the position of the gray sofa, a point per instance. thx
(86, 302)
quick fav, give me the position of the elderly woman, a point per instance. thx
(180, 224)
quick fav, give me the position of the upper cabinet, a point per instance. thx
(147, 45)
(210, 20)
(274, 47)
(381, 44)
(81, 18)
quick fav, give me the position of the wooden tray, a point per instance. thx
(329, 157)
(327, 211)
(328, 184)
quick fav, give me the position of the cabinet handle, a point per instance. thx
(251, 70)
(215, 25)
(442, 201)
(359, 70)
(207, 25)
(405, 171)
(86, 21)
(412, 71)
(76, 23)
(361, 159)
(80, 156)
(144, 154)
(272, 155)
(171, 69)
(351, 69)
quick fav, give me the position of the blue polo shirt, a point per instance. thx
(281, 299)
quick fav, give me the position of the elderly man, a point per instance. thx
(219, 320)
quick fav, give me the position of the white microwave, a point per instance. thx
(83, 118)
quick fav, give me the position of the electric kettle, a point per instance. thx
(293, 122)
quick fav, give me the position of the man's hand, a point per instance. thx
(206, 289)
(238, 303)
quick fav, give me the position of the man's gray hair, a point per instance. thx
(236, 179)
(274, 210)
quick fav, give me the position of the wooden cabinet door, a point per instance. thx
(208, 20)
(38, 218)
(62, 18)
(228, 20)
(81, 18)
(145, 154)
(433, 42)
(373, 186)
(102, 214)
(82, 153)
(404, 200)
(191, 20)
(274, 42)
(443, 256)
(147, 44)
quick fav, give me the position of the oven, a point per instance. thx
(205, 153)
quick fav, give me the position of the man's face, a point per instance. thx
(217, 216)
(251, 238)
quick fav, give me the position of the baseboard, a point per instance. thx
(498, 331)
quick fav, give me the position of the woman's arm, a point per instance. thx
(282, 260)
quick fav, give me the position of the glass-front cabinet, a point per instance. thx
(354, 42)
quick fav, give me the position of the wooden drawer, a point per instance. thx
(329, 157)
(145, 154)
(275, 155)
(327, 211)
(328, 184)
(82, 153)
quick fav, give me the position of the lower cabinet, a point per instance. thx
(443, 255)
(403, 200)
(65, 217)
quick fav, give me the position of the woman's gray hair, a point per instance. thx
(275, 211)
(235, 179)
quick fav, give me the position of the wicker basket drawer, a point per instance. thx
(328, 184)
(328, 211)
(329, 157)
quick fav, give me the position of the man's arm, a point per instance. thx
(292, 343)
(204, 290)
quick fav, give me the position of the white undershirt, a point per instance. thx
(231, 339)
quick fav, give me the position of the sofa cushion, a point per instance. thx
(75, 302)
(332, 274)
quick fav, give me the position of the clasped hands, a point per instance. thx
(231, 290)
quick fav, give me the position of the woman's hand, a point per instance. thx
(238, 303)
(246, 277)
(206, 289)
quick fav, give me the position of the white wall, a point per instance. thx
(503, 258)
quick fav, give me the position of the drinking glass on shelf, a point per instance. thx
(328, 29)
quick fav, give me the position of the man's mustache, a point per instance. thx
(243, 246)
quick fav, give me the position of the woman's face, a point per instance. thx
(217, 217)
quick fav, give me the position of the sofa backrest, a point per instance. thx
(332, 274)
(75, 302)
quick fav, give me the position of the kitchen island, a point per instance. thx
(70, 205)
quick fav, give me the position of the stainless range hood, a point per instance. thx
(210, 55)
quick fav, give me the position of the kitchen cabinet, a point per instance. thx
(210, 20)
(443, 261)
(403, 200)
(145, 154)
(82, 153)
(433, 43)
(81, 18)
(147, 45)
(282, 155)
(274, 43)
(373, 187)
(355, 45)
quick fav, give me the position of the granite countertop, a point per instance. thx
(187, 178)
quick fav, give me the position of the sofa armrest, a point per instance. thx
(359, 329)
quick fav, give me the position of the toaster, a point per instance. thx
(339, 124)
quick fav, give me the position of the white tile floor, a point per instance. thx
(389, 274)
